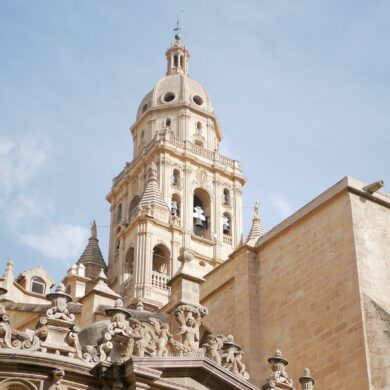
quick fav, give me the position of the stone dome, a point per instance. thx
(174, 89)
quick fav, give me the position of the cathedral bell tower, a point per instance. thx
(178, 193)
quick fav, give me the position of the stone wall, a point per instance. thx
(300, 294)
(371, 223)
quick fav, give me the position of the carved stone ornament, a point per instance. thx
(306, 380)
(226, 353)
(57, 374)
(189, 319)
(54, 333)
(123, 338)
(201, 176)
(279, 378)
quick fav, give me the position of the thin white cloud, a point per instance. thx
(20, 162)
(63, 242)
(282, 205)
(24, 205)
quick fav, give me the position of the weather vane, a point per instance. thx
(179, 27)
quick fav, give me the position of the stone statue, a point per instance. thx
(59, 305)
(189, 319)
(57, 374)
(93, 229)
(213, 347)
(257, 209)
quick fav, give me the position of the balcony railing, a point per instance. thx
(227, 239)
(160, 280)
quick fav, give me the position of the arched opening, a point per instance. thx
(227, 224)
(161, 257)
(176, 205)
(176, 177)
(198, 126)
(133, 205)
(129, 263)
(168, 122)
(117, 247)
(118, 215)
(38, 285)
(181, 61)
(201, 213)
(175, 61)
(16, 386)
(226, 197)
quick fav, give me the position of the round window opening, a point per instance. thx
(168, 97)
(197, 100)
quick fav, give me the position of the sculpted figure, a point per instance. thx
(58, 374)
(213, 348)
(140, 337)
(189, 319)
(164, 337)
(59, 305)
(189, 330)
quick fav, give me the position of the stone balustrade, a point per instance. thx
(160, 280)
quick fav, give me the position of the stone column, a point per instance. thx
(187, 201)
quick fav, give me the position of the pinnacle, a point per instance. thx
(257, 229)
(152, 195)
(92, 253)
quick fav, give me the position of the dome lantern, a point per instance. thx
(177, 57)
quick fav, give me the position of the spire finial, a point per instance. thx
(179, 27)
(257, 228)
(257, 209)
(93, 229)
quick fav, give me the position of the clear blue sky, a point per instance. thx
(301, 89)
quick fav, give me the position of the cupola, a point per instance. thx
(177, 58)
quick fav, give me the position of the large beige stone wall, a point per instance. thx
(371, 223)
(303, 297)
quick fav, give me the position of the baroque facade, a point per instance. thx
(185, 301)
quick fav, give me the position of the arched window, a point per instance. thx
(118, 216)
(199, 142)
(133, 205)
(201, 213)
(176, 205)
(38, 285)
(16, 386)
(161, 257)
(226, 197)
(129, 262)
(117, 247)
(176, 177)
(227, 224)
(167, 122)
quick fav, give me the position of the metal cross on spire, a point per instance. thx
(179, 29)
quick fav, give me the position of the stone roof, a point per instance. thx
(152, 195)
(92, 253)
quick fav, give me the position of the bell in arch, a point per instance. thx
(199, 218)
(225, 224)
